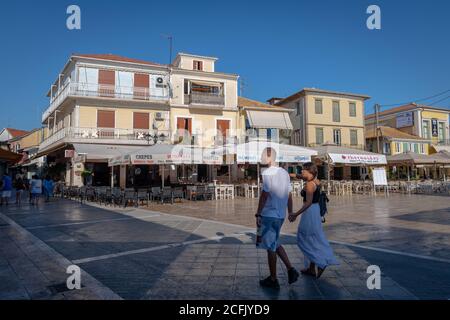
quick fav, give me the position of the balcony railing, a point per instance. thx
(139, 135)
(105, 91)
(353, 146)
(204, 98)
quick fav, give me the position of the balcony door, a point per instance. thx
(106, 83)
(223, 127)
(184, 129)
(106, 121)
(141, 86)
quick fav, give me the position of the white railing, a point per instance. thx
(106, 91)
(74, 133)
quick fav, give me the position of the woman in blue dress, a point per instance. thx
(310, 236)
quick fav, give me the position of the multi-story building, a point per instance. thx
(393, 141)
(28, 146)
(322, 117)
(106, 105)
(429, 123)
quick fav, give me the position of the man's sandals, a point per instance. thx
(312, 272)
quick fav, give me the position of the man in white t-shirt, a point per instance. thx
(275, 200)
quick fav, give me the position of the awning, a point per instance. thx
(349, 156)
(48, 151)
(269, 119)
(440, 148)
(102, 151)
(9, 156)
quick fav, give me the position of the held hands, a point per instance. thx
(292, 216)
(258, 221)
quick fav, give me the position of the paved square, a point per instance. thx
(205, 250)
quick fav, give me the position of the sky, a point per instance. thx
(276, 47)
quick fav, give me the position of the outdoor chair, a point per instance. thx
(166, 194)
(191, 192)
(116, 196)
(129, 196)
(142, 195)
(210, 192)
(178, 193)
(200, 193)
(155, 193)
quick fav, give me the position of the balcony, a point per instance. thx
(74, 89)
(106, 135)
(199, 99)
(353, 146)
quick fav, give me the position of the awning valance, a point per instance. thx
(269, 119)
(102, 151)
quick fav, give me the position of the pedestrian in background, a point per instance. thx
(35, 190)
(6, 189)
(48, 186)
(19, 185)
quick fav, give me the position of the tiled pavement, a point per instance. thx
(146, 254)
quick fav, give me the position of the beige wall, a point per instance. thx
(187, 63)
(205, 122)
(230, 88)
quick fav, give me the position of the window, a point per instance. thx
(405, 146)
(426, 129)
(141, 120)
(397, 147)
(318, 106)
(223, 126)
(198, 65)
(105, 119)
(416, 147)
(387, 148)
(106, 82)
(422, 148)
(352, 109)
(297, 107)
(184, 130)
(141, 85)
(441, 132)
(353, 137)
(319, 136)
(336, 111)
(337, 136)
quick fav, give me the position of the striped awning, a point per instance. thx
(269, 119)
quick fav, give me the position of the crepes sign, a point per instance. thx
(357, 158)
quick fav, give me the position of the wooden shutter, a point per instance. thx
(141, 86)
(200, 65)
(106, 82)
(223, 126)
(141, 120)
(105, 119)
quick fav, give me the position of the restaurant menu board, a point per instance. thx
(379, 177)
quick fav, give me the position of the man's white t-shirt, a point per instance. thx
(277, 184)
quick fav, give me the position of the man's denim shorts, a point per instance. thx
(270, 233)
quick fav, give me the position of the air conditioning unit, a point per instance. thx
(161, 82)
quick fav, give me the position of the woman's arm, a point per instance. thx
(309, 189)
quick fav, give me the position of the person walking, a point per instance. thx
(275, 200)
(35, 190)
(6, 189)
(19, 185)
(48, 187)
(310, 236)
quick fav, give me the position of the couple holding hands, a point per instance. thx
(274, 201)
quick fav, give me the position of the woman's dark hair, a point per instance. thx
(311, 168)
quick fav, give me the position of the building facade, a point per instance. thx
(429, 123)
(322, 116)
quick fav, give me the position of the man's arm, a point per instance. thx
(262, 202)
